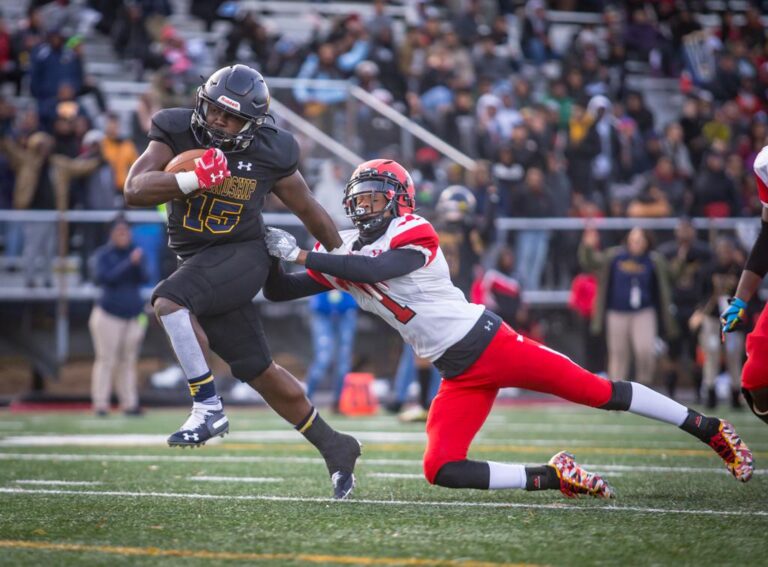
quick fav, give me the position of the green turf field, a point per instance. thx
(69, 496)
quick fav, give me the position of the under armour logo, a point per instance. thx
(191, 437)
(216, 177)
(488, 325)
(246, 165)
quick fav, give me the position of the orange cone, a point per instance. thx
(357, 395)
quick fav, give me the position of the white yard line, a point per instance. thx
(444, 504)
(416, 463)
(290, 436)
(254, 479)
(58, 482)
(396, 475)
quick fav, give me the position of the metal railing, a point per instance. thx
(63, 293)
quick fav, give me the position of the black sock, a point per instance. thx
(541, 478)
(700, 426)
(464, 474)
(338, 449)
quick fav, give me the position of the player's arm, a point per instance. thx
(353, 268)
(750, 280)
(282, 286)
(148, 185)
(295, 194)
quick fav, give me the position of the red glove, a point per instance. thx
(211, 168)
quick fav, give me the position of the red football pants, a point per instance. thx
(754, 375)
(510, 361)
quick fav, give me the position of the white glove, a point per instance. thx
(282, 244)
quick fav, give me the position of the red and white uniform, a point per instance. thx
(761, 174)
(432, 315)
(755, 372)
(428, 311)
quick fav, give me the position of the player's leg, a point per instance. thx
(542, 369)
(238, 337)
(754, 376)
(458, 411)
(216, 280)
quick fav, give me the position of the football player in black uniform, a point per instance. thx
(216, 229)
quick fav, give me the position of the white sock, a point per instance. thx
(504, 475)
(649, 403)
(178, 327)
(212, 403)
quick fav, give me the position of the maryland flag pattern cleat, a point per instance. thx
(737, 456)
(575, 481)
(201, 425)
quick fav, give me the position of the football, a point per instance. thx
(185, 161)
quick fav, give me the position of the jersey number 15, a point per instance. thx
(216, 215)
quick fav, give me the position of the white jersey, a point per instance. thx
(428, 311)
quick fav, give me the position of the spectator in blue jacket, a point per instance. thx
(117, 323)
(333, 322)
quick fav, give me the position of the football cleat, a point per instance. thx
(737, 456)
(343, 484)
(575, 481)
(201, 425)
(342, 472)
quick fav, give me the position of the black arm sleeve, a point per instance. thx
(758, 258)
(281, 286)
(365, 269)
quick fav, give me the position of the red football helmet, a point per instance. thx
(379, 176)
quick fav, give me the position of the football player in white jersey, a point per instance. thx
(754, 375)
(395, 269)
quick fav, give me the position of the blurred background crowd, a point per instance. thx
(580, 109)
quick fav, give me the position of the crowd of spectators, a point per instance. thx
(545, 110)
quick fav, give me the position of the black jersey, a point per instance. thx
(231, 211)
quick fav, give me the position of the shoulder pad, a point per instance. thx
(173, 120)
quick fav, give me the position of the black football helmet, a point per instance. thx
(238, 90)
(456, 204)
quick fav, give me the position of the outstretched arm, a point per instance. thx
(361, 269)
(751, 279)
(281, 286)
(364, 269)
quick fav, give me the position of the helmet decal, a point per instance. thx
(228, 102)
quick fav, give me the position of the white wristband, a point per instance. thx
(187, 181)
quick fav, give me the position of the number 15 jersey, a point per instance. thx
(428, 311)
